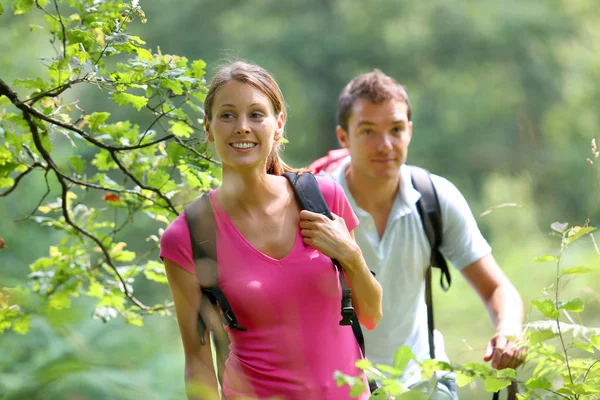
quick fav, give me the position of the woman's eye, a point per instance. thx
(367, 132)
(256, 115)
(397, 129)
(226, 115)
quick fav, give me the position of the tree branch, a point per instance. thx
(18, 178)
(65, 211)
(127, 172)
(12, 96)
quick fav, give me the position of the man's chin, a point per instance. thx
(391, 174)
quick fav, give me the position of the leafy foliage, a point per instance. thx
(118, 170)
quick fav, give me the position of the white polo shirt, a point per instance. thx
(400, 259)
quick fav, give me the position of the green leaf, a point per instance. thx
(538, 383)
(6, 182)
(402, 357)
(174, 86)
(78, 164)
(493, 384)
(1, 9)
(59, 301)
(198, 69)
(542, 335)
(545, 259)
(122, 98)
(22, 325)
(584, 346)
(463, 379)
(576, 270)
(577, 231)
(144, 54)
(595, 341)
(575, 305)
(155, 271)
(103, 161)
(547, 308)
(181, 129)
(95, 289)
(97, 119)
(22, 6)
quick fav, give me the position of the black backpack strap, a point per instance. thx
(309, 196)
(201, 224)
(431, 218)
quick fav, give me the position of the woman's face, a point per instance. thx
(243, 126)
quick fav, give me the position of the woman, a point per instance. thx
(274, 260)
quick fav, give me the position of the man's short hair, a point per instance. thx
(374, 86)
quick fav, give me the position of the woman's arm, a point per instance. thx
(331, 237)
(366, 291)
(200, 378)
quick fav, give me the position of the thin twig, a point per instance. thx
(127, 172)
(18, 178)
(64, 33)
(41, 199)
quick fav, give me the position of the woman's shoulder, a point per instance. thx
(176, 233)
(329, 187)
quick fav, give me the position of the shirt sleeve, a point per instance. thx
(462, 241)
(337, 201)
(176, 245)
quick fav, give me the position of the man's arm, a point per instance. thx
(505, 308)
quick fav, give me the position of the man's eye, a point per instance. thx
(397, 129)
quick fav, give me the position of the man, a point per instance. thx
(375, 127)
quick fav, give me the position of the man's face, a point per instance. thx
(377, 138)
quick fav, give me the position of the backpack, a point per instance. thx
(430, 213)
(218, 312)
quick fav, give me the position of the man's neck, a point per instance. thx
(372, 195)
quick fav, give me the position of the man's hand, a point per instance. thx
(503, 352)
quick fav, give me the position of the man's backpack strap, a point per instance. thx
(201, 224)
(431, 218)
(309, 196)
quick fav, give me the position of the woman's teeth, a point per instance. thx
(243, 145)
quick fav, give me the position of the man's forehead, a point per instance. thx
(366, 111)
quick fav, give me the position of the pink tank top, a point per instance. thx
(291, 308)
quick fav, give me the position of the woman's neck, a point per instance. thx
(247, 191)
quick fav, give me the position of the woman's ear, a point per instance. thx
(280, 126)
(209, 135)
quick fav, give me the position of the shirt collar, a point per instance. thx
(405, 200)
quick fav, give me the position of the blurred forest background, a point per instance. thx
(505, 98)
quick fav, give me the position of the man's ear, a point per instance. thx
(209, 135)
(410, 128)
(280, 126)
(342, 136)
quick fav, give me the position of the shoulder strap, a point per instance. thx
(431, 218)
(201, 224)
(309, 196)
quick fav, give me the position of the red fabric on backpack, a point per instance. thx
(330, 162)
